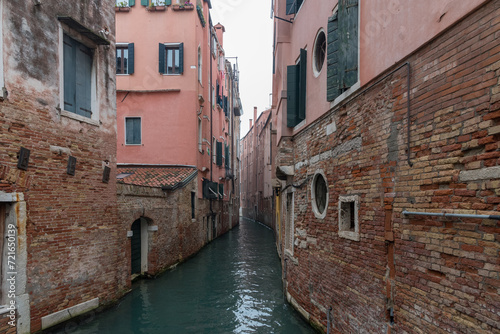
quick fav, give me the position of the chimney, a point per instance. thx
(250, 123)
(255, 113)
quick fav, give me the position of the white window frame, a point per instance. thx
(171, 45)
(317, 72)
(122, 45)
(200, 65)
(94, 119)
(125, 130)
(214, 149)
(200, 135)
(344, 232)
(317, 213)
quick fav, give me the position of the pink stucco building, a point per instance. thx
(178, 124)
(388, 165)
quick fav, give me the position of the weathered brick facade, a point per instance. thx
(173, 235)
(406, 274)
(68, 245)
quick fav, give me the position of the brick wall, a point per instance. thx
(178, 236)
(72, 228)
(438, 274)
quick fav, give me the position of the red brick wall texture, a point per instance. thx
(440, 275)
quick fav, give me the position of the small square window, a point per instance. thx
(349, 217)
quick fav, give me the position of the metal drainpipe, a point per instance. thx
(328, 320)
(211, 120)
(444, 214)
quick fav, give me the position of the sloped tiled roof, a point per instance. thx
(169, 177)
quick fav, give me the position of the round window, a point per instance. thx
(319, 52)
(319, 195)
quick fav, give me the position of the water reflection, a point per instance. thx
(232, 286)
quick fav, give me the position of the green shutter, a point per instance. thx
(302, 89)
(83, 84)
(69, 74)
(219, 153)
(181, 58)
(350, 42)
(333, 76)
(226, 155)
(145, 2)
(292, 82)
(161, 58)
(168, 2)
(131, 58)
(131, 3)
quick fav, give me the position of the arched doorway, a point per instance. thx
(135, 246)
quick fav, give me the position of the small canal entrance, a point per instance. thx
(232, 286)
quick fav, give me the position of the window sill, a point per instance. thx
(345, 94)
(133, 144)
(354, 236)
(174, 74)
(79, 118)
(3, 309)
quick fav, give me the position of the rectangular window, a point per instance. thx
(214, 144)
(293, 6)
(133, 131)
(348, 217)
(296, 90)
(193, 205)
(171, 58)
(219, 153)
(125, 3)
(125, 58)
(78, 63)
(342, 44)
(289, 226)
(200, 135)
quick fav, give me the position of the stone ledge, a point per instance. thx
(61, 316)
(480, 174)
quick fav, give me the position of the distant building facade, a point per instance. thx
(387, 117)
(58, 211)
(178, 114)
(256, 169)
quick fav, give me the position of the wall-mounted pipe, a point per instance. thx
(457, 215)
(328, 320)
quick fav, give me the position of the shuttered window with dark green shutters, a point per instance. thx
(77, 77)
(342, 49)
(296, 90)
(219, 153)
(226, 155)
(171, 58)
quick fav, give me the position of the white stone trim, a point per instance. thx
(71, 312)
(18, 217)
(317, 214)
(343, 232)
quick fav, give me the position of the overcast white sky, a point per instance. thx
(248, 36)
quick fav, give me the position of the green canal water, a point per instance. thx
(232, 286)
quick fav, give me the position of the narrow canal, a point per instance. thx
(232, 286)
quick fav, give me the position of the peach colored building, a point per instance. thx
(388, 164)
(177, 114)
